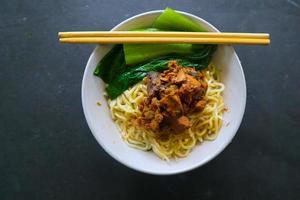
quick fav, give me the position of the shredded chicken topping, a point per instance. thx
(172, 95)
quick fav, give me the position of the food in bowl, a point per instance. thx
(164, 97)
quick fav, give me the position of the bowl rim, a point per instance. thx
(157, 172)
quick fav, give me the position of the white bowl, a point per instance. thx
(109, 137)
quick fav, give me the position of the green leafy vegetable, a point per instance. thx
(168, 20)
(173, 21)
(137, 53)
(112, 64)
(143, 58)
(136, 73)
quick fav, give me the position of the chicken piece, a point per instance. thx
(149, 114)
(185, 93)
(172, 104)
(192, 81)
(181, 124)
(155, 123)
(204, 85)
(200, 105)
(172, 65)
(164, 78)
(154, 105)
(199, 93)
(170, 90)
(180, 77)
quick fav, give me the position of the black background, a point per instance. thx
(48, 152)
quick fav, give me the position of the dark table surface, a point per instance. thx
(48, 152)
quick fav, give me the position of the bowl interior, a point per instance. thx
(108, 136)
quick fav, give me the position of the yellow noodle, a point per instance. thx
(205, 124)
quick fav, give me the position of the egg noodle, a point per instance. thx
(205, 124)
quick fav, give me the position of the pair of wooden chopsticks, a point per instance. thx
(135, 37)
